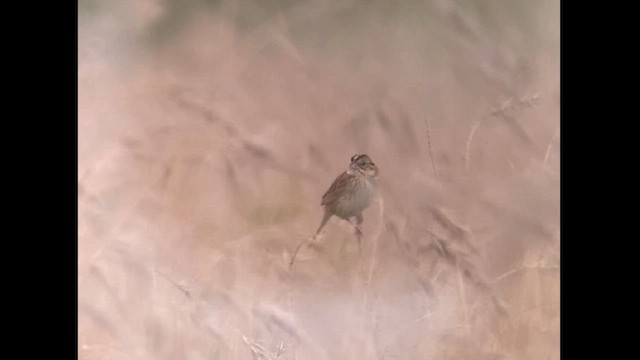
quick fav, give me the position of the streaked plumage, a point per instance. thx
(349, 195)
(351, 192)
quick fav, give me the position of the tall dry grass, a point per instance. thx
(208, 131)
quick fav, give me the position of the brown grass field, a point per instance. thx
(209, 131)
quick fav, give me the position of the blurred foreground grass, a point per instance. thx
(208, 131)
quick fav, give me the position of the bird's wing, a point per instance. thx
(336, 189)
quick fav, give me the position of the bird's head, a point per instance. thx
(363, 164)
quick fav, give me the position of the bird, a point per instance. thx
(351, 193)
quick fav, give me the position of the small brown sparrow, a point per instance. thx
(351, 193)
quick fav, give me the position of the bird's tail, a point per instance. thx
(325, 218)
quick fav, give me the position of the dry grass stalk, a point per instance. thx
(295, 252)
(546, 155)
(259, 352)
(433, 162)
(507, 111)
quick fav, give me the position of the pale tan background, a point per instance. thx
(209, 130)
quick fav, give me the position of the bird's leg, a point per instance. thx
(359, 221)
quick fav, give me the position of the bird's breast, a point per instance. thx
(359, 199)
